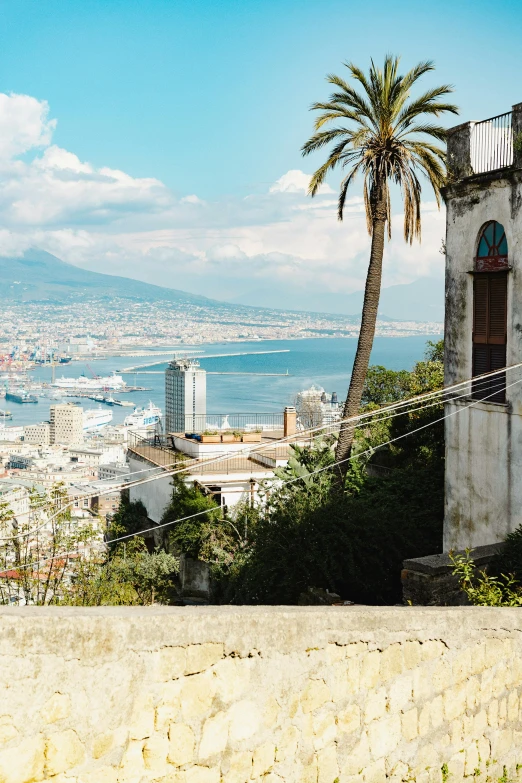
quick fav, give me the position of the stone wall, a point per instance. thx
(307, 695)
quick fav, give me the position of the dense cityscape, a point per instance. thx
(37, 329)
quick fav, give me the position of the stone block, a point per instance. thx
(155, 753)
(181, 744)
(334, 653)
(484, 749)
(456, 766)
(384, 736)
(271, 711)
(437, 712)
(472, 693)
(244, 719)
(132, 765)
(202, 775)
(102, 744)
(327, 766)
(375, 772)
(461, 666)
(375, 706)
(400, 693)
(480, 723)
(478, 658)
(471, 761)
(315, 694)
(441, 674)
(165, 715)
(454, 702)
(433, 648)
(263, 759)
(409, 724)
(494, 651)
(240, 768)
(214, 736)
(355, 648)
(324, 730)
(502, 743)
(8, 730)
(512, 706)
(142, 719)
(502, 711)
(370, 670)
(63, 752)
(486, 687)
(349, 720)
(172, 662)
(392, 661)
(412, 654)
(24, 763)
(358, 757)
(202, 656)
(57, 708)
(286, 745)
(197, 695)
(99, 775)
(424, 720)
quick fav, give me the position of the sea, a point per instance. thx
(283, 367)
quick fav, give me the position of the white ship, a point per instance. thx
(144, 417)
(113, 382)
(94, 418)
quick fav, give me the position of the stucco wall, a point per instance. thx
(483, 443)
(307, 695)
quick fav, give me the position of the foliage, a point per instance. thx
(383, 386)
(137, 578)
(383, 134)
(510, 559)
(483, 589)
(131, 517)
(353, 543)
(194, 536)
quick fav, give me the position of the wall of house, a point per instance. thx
(155, 495)
(272, 694)
(484, 442)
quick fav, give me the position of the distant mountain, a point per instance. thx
(422, 300)
(40, 276)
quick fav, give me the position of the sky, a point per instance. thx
(161, 139)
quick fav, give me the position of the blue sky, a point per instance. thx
(211, 98)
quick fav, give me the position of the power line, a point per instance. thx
(485, 377)
(291, 481)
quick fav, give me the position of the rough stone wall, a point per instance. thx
(235, 695)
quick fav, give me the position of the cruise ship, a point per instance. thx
(94, 418)
(144, 417)
(113, 382)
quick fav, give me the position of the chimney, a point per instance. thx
(290, 421)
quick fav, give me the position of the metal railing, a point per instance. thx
(492, 144)
(226, 422)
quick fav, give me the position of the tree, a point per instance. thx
(390, 140)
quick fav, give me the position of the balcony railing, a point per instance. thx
(492, 144)
(224, 422)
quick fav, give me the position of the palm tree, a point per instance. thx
(387, 137)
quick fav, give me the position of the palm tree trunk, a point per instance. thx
(372, 294)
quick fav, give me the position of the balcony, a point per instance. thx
(488, 147)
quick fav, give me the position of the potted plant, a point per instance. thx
(228, 437)
(252, 437)
(210, 436)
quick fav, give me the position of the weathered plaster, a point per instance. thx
(483, 442)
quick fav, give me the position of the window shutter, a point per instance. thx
(489, 334)
(480, 309)
(497, 309)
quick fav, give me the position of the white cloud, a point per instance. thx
(106, 220)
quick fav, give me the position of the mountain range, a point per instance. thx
(40, 276)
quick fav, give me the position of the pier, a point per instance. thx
(136, 368)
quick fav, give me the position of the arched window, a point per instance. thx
(492, 251)
(490, 312)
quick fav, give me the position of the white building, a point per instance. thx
(66, 423)
(113, 470)
(17, 498)
(483, 331)
(39, 434)
(185, 396)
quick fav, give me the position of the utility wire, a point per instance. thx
(289, 481)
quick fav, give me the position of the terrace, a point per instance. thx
(490, 147)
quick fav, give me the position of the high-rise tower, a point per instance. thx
(185, 396)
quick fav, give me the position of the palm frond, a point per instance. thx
(389, 138)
